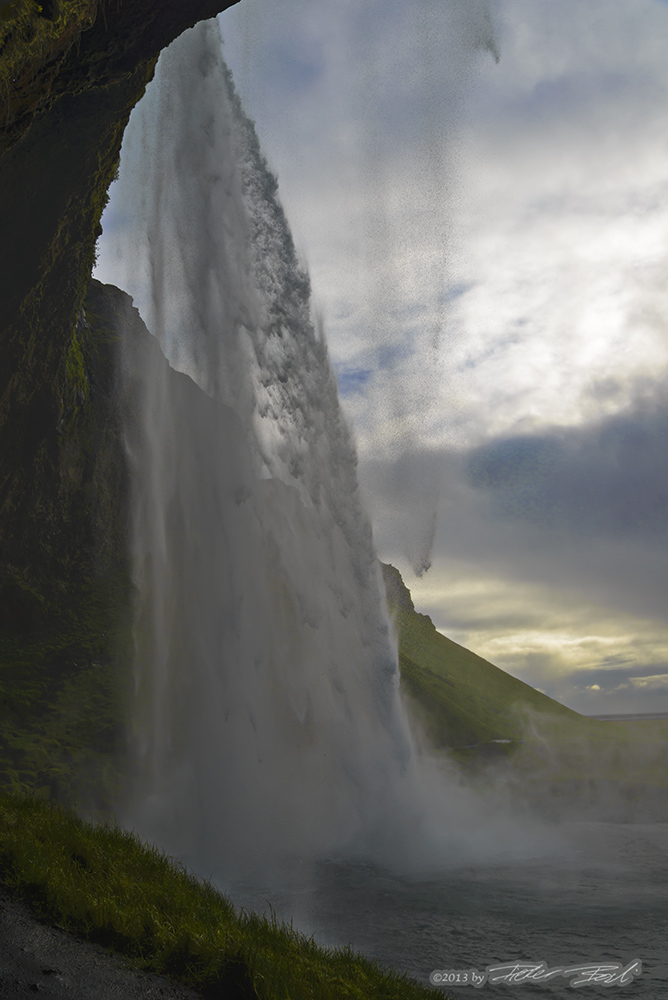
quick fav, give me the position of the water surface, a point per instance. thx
(602, 898)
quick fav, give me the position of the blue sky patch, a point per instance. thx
(353, 380)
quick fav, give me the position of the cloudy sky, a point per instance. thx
(480, 193)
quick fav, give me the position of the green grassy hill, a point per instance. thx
(462, 699)
(547, 755)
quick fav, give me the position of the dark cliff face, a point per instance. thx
(398, 595)
(65, 589)
(70, 73)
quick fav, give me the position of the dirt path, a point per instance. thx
(37, 960)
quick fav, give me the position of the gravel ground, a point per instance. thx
(39, 960)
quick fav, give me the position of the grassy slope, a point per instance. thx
(104, 885)
(464, 703)
(61, 703)
(463, 700)
(466, 699)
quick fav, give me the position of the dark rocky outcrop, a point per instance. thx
(398, 594)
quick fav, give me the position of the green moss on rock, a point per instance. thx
(35, 38)
(76, 373)
(66, 592)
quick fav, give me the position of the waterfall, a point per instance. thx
(267, 722)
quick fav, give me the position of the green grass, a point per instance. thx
(104, 885)
(64, 675)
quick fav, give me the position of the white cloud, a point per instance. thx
(409, 165)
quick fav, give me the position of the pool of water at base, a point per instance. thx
(602, 899)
